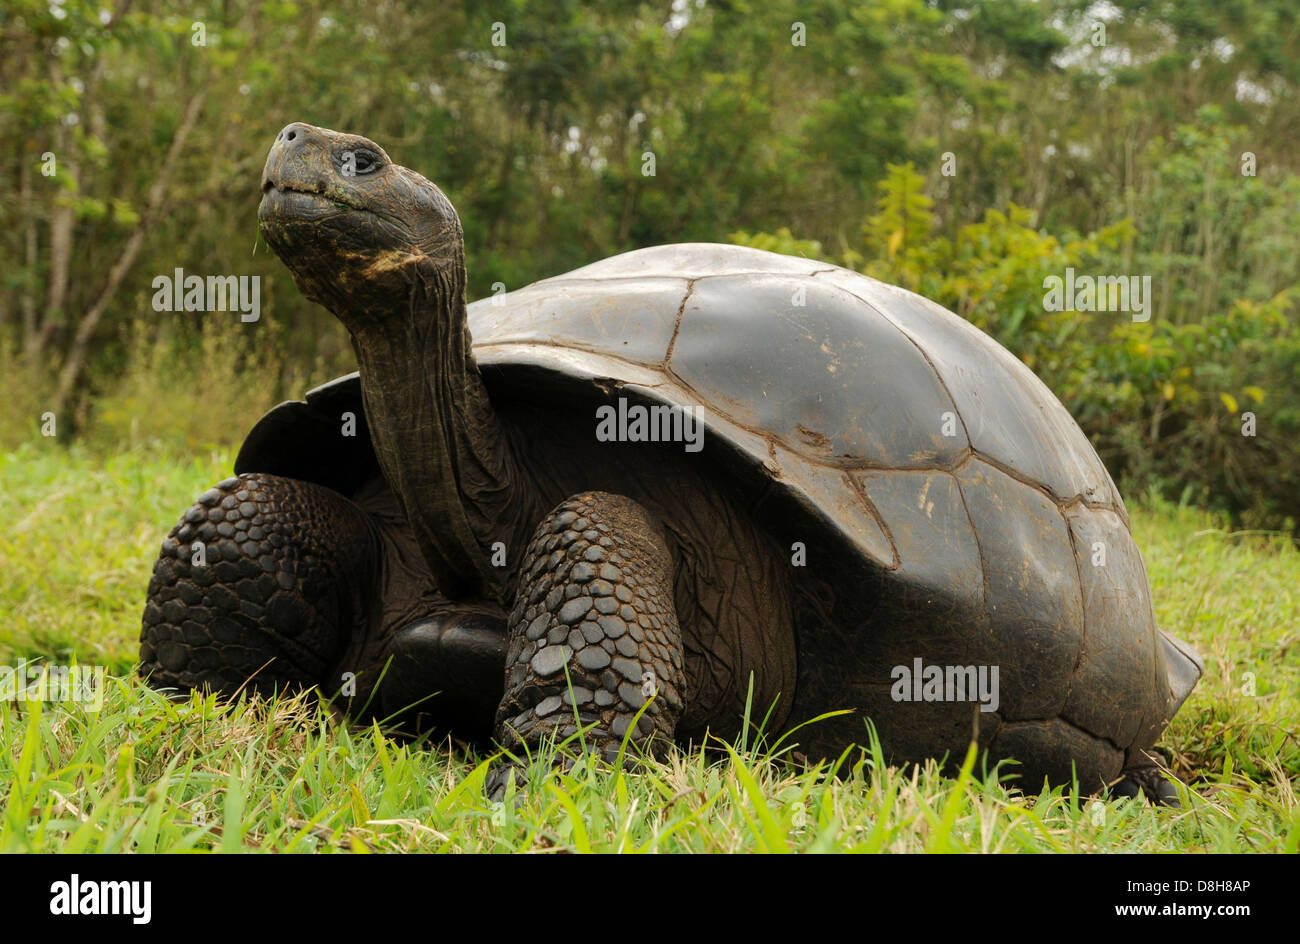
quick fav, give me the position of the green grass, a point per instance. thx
(146, 774)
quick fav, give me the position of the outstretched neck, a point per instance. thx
(439, 443)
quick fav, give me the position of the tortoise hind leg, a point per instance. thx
(592, 633)
(1144, 778)
(1142, 775)
(258, 587)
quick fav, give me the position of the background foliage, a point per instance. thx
(1119, 158)
(1124, 157)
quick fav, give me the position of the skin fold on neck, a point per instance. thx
(436, 436)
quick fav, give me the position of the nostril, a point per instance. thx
(293, 135)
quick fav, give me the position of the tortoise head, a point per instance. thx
(358, 232)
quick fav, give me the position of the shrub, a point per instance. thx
(192, 393)
(29, 392)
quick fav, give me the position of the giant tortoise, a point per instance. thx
(691, 475)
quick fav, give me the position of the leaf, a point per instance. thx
(580, 839)
(360, 812)
(123, 213)
(942, 839)
(232, 812)
(1229, 401)
(1255, 393)
(895, 241)
(770, 836)
(1168, 390)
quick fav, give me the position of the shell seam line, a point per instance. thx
(920, 350)
(965, 457)
(1083, 614)
(979, 547)
(1061, 503)
(857, 488)
(677, 325)
(1064, 720)
(651, 276)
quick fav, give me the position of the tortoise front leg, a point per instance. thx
(593, 629)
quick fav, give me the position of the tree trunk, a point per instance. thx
(31, 248)
(90, 321)
(62, 218)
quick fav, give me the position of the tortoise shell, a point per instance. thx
(946, 503)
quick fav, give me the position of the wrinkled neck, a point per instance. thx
(438, 441)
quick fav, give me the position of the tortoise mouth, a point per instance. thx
(286, 204)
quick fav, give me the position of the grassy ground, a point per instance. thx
(144, 774)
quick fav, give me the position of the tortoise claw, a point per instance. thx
(1148, 782)
(498, 780)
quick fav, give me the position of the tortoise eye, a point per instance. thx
(359, 161)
